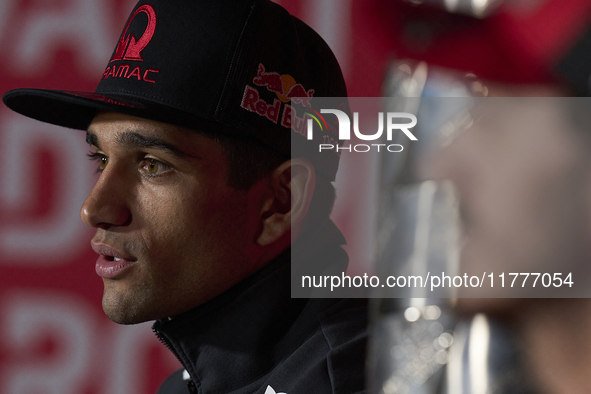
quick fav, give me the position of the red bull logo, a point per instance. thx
(298, 95)
(285, 88)
(271, 80)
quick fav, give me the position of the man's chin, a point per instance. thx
(125, 319)
(124, 311)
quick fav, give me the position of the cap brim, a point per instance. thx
(68, 108)
(76, 110)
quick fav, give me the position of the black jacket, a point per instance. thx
(255, 338)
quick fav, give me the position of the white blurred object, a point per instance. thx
(418, 345)
(475, 8)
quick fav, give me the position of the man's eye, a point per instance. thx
(153, 167)
(101, 159)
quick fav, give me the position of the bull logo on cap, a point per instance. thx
(284, 86)
(130, 48)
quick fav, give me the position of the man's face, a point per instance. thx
(170, 232)
(523, 177)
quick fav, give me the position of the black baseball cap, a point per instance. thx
(229, 66)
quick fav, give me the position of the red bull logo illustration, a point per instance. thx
(285, 88)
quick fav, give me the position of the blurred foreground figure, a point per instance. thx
(511, 168)
(523, 180)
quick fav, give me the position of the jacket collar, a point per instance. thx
(237, 336)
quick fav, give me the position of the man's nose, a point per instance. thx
(108, 204)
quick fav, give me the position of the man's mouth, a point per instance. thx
(109, 267)
(112, 262)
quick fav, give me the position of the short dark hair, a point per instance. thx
(249, 160)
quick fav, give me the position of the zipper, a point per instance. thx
(190, 384)
(191, 387)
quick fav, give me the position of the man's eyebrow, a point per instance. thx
(92, 139)
(132, 140)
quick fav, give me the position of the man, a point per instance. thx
(198, 201)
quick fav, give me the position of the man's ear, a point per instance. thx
(292, 185)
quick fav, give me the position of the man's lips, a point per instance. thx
(112, 262)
